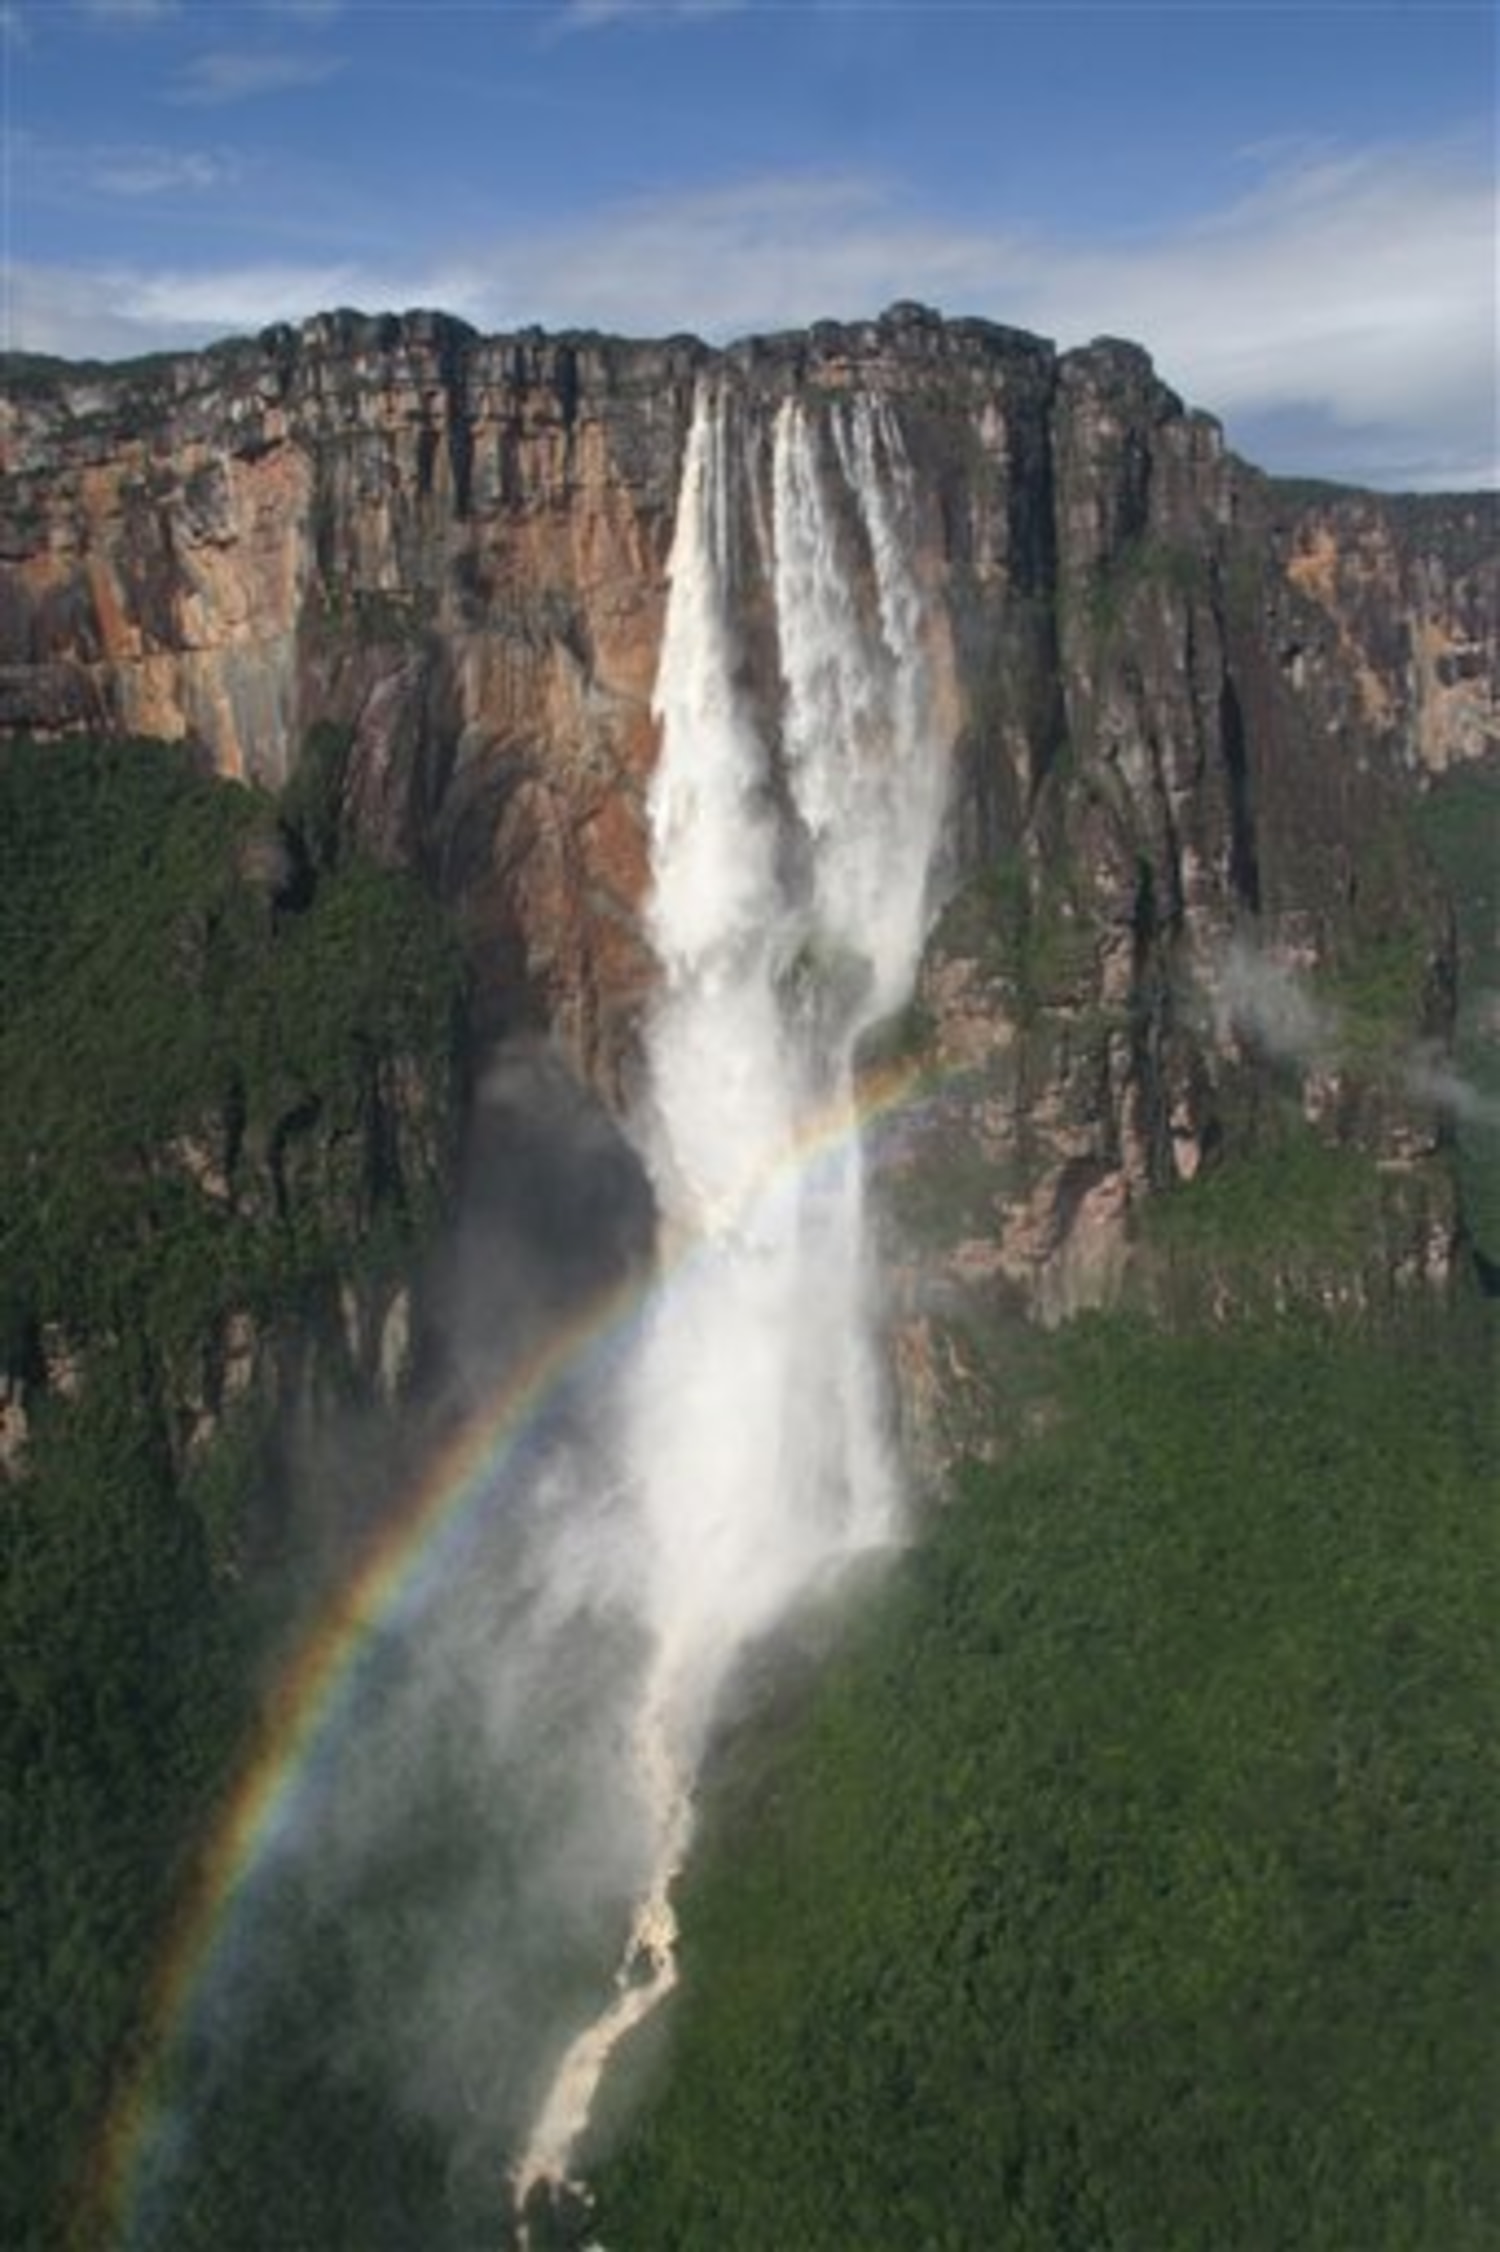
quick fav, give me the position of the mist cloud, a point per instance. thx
(1434, 1081)
(1253, 997)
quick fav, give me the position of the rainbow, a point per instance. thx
(404, 1558)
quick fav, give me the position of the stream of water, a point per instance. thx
(791, 844)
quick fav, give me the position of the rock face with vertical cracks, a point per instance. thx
(1189, 706)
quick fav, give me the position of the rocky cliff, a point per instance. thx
(1190, 708)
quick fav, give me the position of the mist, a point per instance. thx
(1433, 1080)
(1252, 996)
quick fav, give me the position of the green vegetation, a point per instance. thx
(1288, 1220)
(951, 1193)
(1243, 584)
(1128, 1883)
(1111, 598)
(1124, 1883)
(1378, 988)
(1461, 826)
(1022, 925)
(123, 1661)
(1292, 1193)
(1316, 492)
(312, 801)
(202, 1047)
(1380, 976)
(228, 1069)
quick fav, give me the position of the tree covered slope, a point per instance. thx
(1128, 1884)
(228, 1075)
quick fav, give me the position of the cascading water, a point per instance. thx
(790, 856)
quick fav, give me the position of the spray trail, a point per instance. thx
(791, 842)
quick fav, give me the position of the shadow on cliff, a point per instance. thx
(553, 1210)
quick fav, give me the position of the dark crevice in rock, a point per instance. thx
(290, 1129)
(1244, 870)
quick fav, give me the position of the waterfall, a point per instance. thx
(790, 846)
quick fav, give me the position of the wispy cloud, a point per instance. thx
(73, 175)
(14, 30)
(225, 76)
(1344, 304)
(120, 311)
(130, 11)
(1356, 294)
(261, 292)
(151, 171)
(1358, 288)
(590, 15)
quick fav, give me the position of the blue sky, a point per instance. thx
(1292, 205)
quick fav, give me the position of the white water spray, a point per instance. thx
(790, 855)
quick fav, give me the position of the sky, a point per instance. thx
(1291, 204)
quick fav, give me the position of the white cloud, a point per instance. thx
(1360, 288)
(67, 175)
(765, 253)
(1343, 305)
(589, 15)
(130, 11)
(1355, 295)
(117, 312)
(251, 297)
(223, 76)
(151, 171)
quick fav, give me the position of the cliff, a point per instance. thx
(1183, 1035)
(1189, 706)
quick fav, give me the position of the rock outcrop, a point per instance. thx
(1189, 706)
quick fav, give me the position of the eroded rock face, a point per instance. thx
(1185, 702)
(451, 549)
(1403, 596)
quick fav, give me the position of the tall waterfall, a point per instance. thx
(791, 843)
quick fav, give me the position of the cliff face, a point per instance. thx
(452, 549)
(1186, 703)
